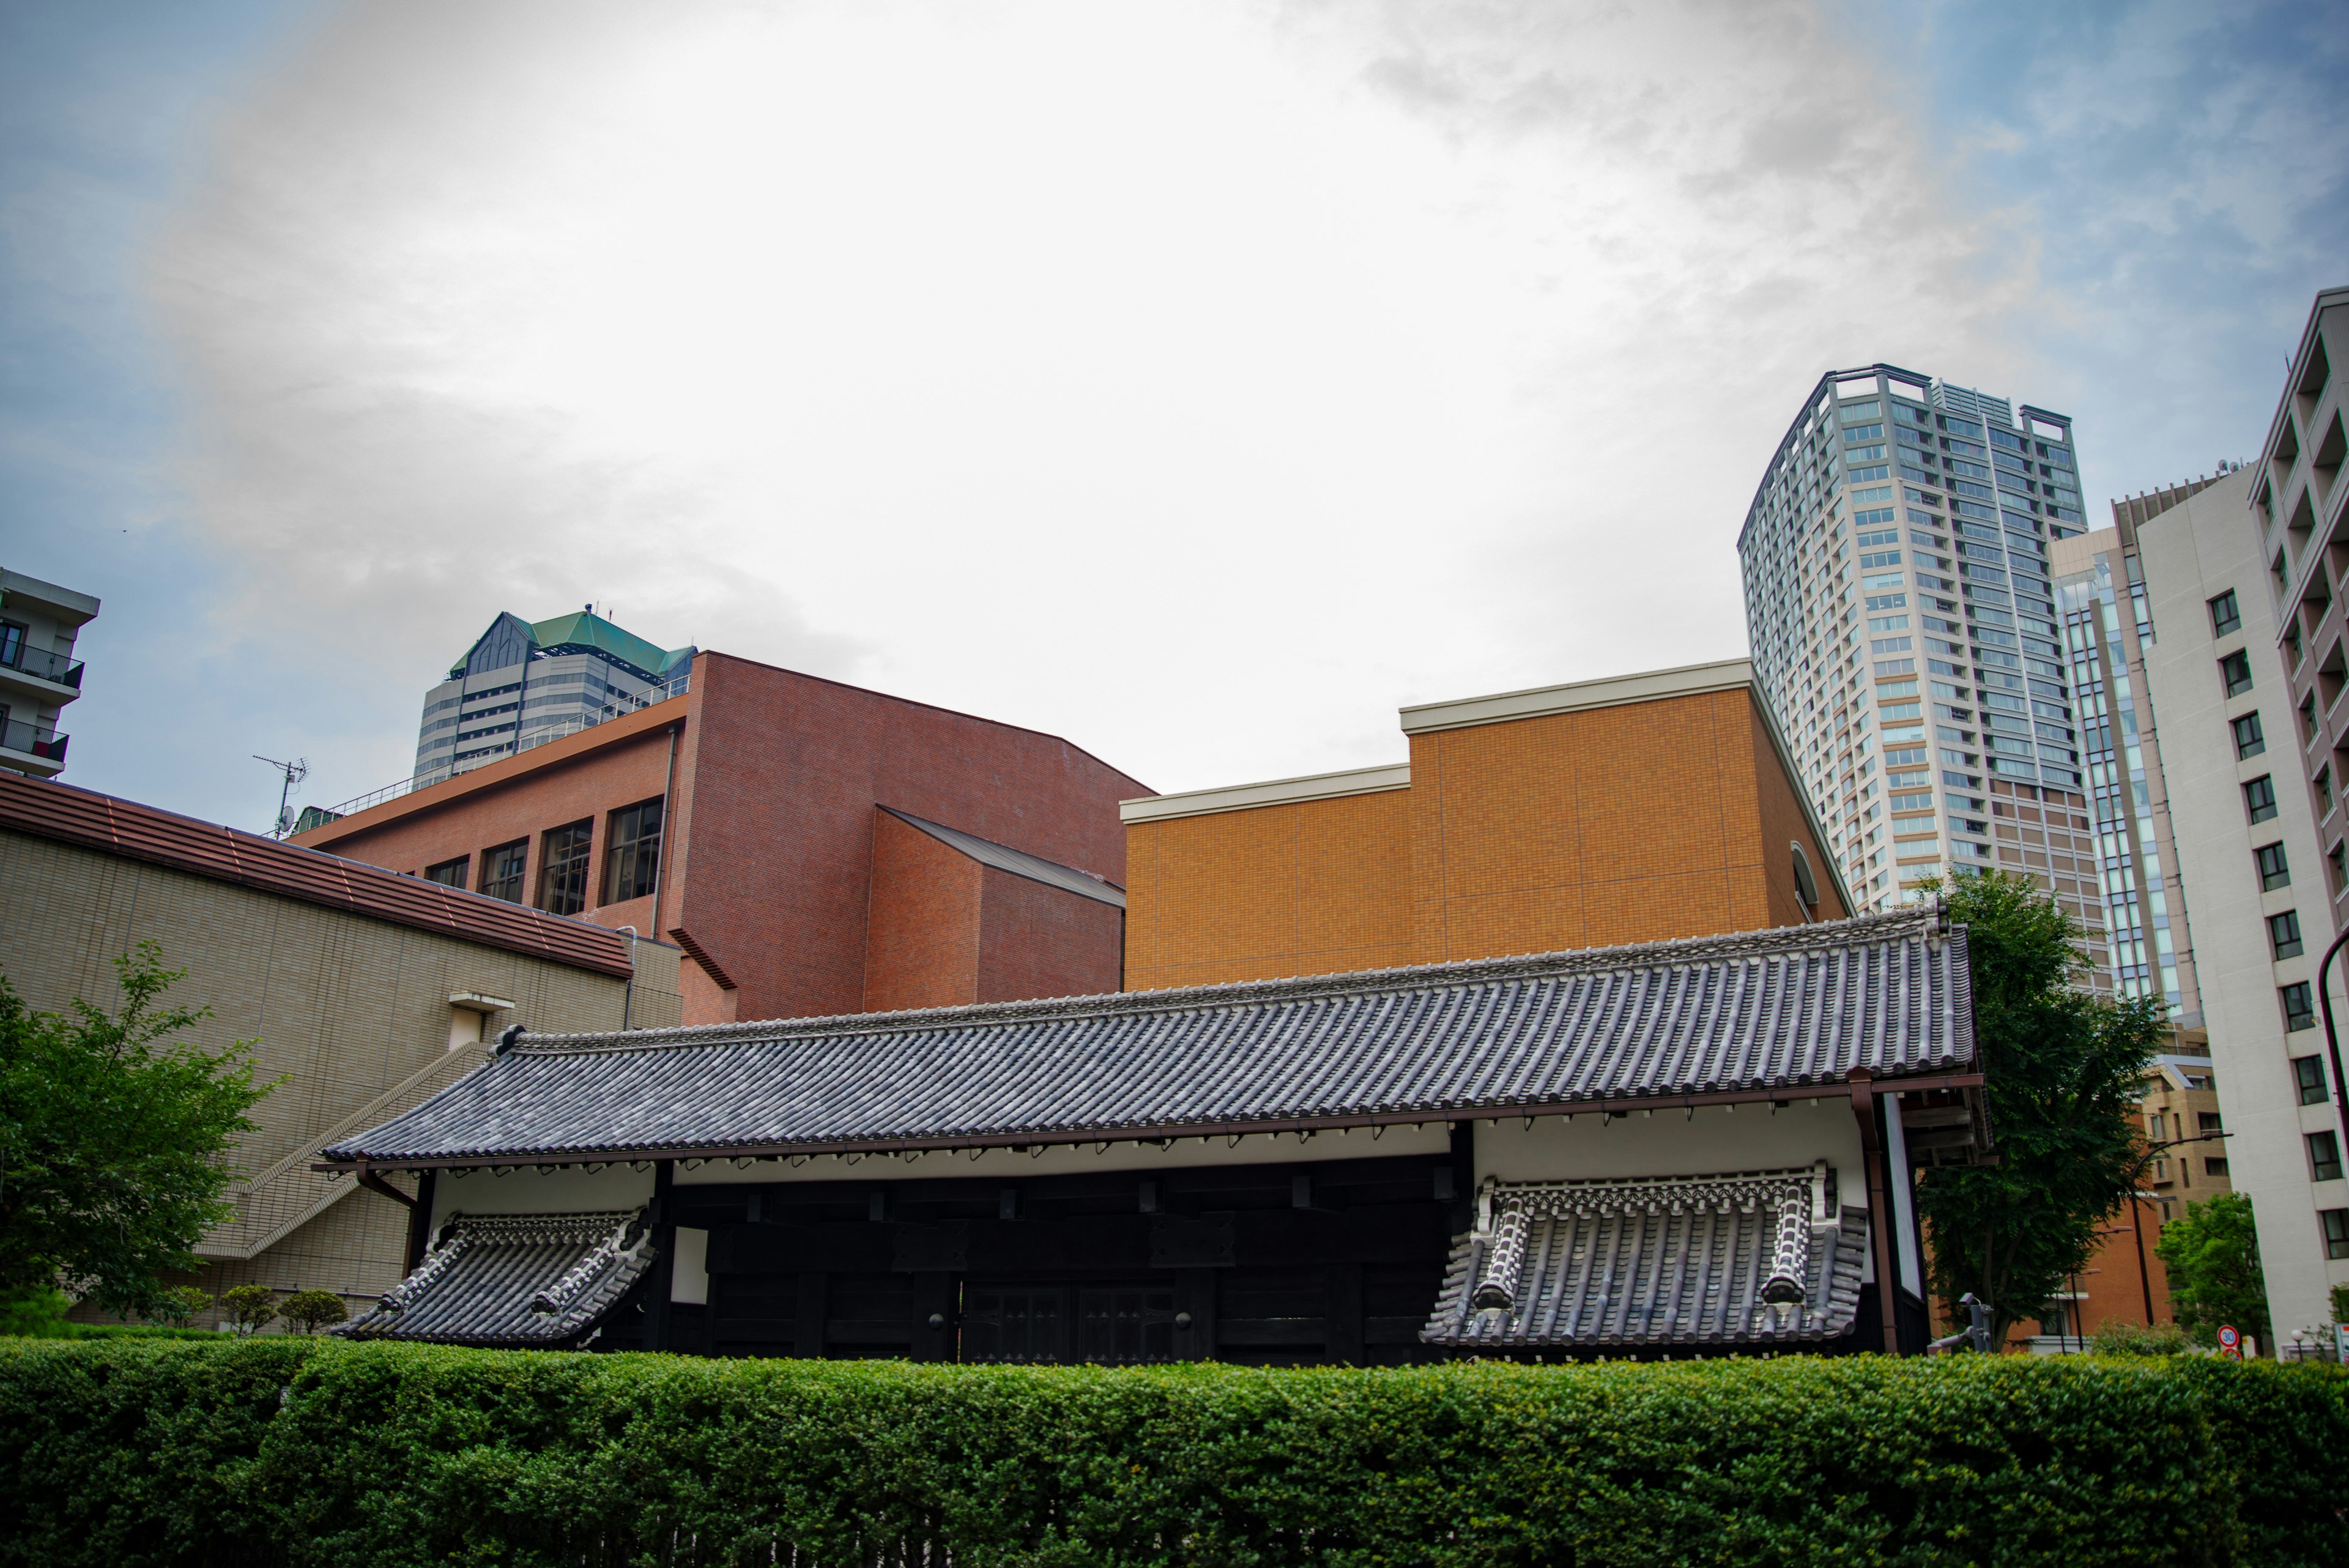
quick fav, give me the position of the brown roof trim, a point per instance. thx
(135, 832)
(644, 720)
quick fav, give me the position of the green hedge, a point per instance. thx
(283, 1451)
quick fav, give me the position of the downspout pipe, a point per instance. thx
(2331, 1035)
(669, 814)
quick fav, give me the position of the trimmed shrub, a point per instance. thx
(308, 1452)
(2124, 1338)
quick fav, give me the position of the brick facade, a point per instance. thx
(771, 848)
(1634, 821)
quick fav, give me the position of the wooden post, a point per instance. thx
(419, 1219)
(1879, 1224)
(808, 1342)
(1194, 1292)
(1342, 1314)
(664, 1272)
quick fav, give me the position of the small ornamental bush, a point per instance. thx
(316, 1452)
(307, 1312)
(249, 1309)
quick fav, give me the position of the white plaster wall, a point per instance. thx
(1717, 1141)
(569, 1190)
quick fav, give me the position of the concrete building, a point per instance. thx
(1905, 635)
(366, 992)
(1628, 810)
(813, 847)
(2100, 592)
(2249, 854)
(524, 683)
(38, 673)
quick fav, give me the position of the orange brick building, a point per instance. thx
(813, 847)
(1633, 809)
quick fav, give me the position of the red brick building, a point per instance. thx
(814, 848)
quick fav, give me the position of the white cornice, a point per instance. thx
(1540, 702)
(1274, 792)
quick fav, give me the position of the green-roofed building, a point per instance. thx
(524, 683)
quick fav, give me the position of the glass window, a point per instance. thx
(2324, 1157)
(2214, 1167)
(563, 868)
(2308, 1072)
(12, 643)
(632, 860)
(2235, 671)
(2259, 798)
(2283, 934)
(501, 870)
(2298, 1007)
(2248, 739)
(2208, 1122)
(2336, 1231)
(2275, 871)
(2224, 614)
(449, 873)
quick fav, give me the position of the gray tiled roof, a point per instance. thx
(1755, 1259)
(1018, 862)
(512, 1280)
(1725, 1017)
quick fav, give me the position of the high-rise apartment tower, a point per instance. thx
(523, 684)
(2100, 590)
(1905, 634)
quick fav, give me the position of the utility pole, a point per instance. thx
(294, 772)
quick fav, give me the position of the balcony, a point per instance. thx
(50, 677)
(25, 749)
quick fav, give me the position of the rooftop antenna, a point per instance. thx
(294, 771)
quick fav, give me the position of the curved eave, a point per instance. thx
(1028, 1139)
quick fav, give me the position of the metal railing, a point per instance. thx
(42, 665)
(562, 729)
(21, 735)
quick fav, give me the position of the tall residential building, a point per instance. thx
(2107, 630)
(524, 683)
(2248, 837)
(38, 673)
(1905, 634)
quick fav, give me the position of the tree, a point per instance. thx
(113, 1141)
(178, 1304)
(307, 1312)
(249, 1308)
(2063, 1073)
(2212, 1253)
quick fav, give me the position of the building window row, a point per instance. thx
(565, 861)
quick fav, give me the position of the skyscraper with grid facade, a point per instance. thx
(1905, 634)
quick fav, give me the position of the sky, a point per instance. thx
(1200, 381)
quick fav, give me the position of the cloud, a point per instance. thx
(1195, 382)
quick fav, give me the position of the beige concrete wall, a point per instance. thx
(352, 1013)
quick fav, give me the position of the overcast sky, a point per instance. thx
(1200, 381)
